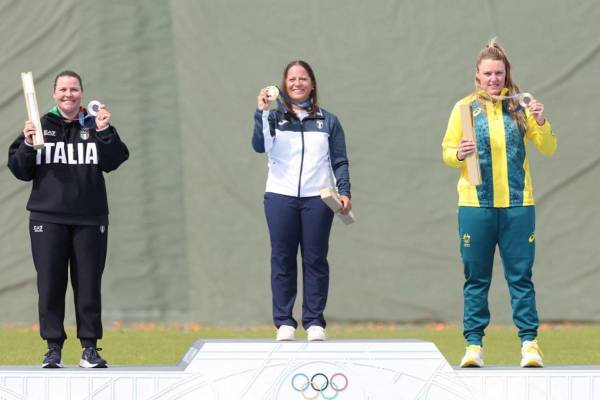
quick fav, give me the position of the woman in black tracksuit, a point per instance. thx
(69, 213)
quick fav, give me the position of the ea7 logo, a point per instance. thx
(38, 229)
(49, 133)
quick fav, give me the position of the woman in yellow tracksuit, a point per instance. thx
(500, 211)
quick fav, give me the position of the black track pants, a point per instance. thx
(54, 247)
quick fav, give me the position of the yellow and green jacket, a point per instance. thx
(502, 150)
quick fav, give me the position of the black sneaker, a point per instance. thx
(91, 359)
(52, 358)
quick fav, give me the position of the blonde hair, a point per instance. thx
(493, 51)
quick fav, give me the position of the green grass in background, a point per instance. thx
(153, 344)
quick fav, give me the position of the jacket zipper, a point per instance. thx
(301, 158)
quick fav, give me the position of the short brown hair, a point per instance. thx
(72, 74)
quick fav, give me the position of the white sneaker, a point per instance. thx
(531, 355)
(473, 357)
(285, 333)
(315, 333)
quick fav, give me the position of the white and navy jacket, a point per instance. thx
(302, 153)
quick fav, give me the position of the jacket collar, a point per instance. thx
(482, 94)
(318, 115)
(83, 116)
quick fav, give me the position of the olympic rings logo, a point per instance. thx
(326, 387)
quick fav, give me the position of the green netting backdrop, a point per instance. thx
(187, 237)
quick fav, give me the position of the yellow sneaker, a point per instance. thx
(531, 355)
(473, 357)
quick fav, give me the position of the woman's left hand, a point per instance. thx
(346, 204)
(102, 118)
(536, 109)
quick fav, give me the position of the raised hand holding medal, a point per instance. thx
(266, 96)
(99, 110)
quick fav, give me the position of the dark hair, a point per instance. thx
(72, 74)
(313, 94)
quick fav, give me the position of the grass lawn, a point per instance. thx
(153, 344)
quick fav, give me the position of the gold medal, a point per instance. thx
(272, 93)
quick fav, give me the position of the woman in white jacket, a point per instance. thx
(304, 144)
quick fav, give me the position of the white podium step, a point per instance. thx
(549, 383)
(343, 370)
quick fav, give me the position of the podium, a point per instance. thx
(387, 369)
(270, 370)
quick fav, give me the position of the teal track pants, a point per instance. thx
(512, 229)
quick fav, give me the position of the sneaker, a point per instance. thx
(91, 359)
(315, 333)
(286, 333)
(473, 357)
(52, 358)
(531, 355)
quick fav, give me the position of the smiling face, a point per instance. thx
(67, 94)
(491, 76)
(298, 83)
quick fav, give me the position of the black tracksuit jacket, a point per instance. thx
(68, 182)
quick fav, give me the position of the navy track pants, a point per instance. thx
(294, 222)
